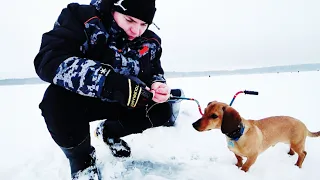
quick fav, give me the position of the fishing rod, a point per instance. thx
(234, 97)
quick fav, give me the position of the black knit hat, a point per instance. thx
(140, 9)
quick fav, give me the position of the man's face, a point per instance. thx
(132, 26)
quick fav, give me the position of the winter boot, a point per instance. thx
(91, 173)
(175, 105)
(82, 159)
(118, 147)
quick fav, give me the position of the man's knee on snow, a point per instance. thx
(175, 106)
(166, 113)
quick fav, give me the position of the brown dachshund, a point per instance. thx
(249, 138)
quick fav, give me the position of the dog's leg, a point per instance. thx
(299, 149)
(239, 161)
(250, 160)
(291, 152)
(301, 158)
(302, 155)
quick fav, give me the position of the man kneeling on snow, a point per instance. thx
(102, 62)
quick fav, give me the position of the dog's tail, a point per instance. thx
(313, 134)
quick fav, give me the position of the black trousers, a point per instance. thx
(67, 116)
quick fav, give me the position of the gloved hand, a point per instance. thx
(128, 91)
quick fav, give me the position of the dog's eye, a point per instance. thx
(214, 116)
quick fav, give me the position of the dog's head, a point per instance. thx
(218, 115)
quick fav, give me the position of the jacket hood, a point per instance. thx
(102, 6)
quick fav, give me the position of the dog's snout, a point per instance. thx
(196, 124)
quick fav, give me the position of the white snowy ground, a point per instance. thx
(180, 152)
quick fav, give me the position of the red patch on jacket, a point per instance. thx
(143, 50)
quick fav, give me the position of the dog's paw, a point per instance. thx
(291, 152)
(245, 169)
(239, 164)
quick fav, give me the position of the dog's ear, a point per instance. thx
(230, 120)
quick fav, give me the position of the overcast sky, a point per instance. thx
(196, 34)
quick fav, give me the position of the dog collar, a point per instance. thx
(236, 134)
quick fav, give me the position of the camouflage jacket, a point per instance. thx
(84, 38)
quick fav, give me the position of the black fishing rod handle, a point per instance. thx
(251, 92)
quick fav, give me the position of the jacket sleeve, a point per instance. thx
(156, 52)
(61, 60)
(157, 71)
